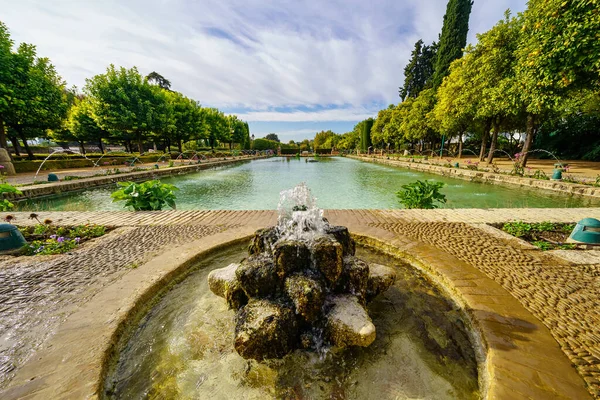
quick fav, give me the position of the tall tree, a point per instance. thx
(419, 71)
(123, 101)
(365, 138)
(559, 50)
(158, 79)
(38, 99)
(453, 38)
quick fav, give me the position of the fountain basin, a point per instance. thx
(184, 348)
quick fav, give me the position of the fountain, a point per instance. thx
(59, 151)
(302, 286)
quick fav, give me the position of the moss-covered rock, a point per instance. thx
(263, 241)
(224, 283)
(290, 256)
(264, 330)
(307, 294)
(354, 278)
(328, 258)
(341, 234)
(257, 277)
(381, 278)
(347, 322)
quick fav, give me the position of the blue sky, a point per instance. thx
(290, 67)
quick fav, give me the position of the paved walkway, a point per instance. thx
(564, 296)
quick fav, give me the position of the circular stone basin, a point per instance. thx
(183, 348)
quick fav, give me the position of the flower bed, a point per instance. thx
(45, 238)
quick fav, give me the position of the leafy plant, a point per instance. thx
(49, 239)
(146, 196)
(539, 174)
(518, 229)
(6, 205)
(421, 194)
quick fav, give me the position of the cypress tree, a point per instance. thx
(453, 38)
(419, 70)
(366, 135)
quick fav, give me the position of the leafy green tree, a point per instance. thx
(81, 126)
(32, 94)
(417, 124)
(559, 51)
(453, 38)
(324, 140)
(455, 109)
(122, 100)
(419, 71)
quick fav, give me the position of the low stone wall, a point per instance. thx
(54, 188)
(488, 177)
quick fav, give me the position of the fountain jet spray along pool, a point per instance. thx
(301, 287)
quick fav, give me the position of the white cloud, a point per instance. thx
(250, 54)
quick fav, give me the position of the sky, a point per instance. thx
(289, 67)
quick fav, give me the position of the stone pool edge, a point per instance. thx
(488, 177)
(56, 188)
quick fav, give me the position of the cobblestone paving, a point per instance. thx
(37, 294)
(564, 297)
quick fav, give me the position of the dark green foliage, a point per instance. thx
(421, 194)
(273, 137)
(146, 196)
(158, 79)
(573, 137)
(453, 38)
(365, 138)
(419, 71)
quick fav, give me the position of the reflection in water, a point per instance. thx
(184, 349)
(338, 183)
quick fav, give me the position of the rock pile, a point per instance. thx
(292, 294)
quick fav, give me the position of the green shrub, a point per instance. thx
(146, 196)
(421, 194)
(6, 205)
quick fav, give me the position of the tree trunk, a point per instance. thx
(484, 139)
(169, 145)
(460, 144)
(27, 148)
(179, 145)
(15, 143)
(101, 145)
(82, 147)
(531, 130)
(493, 143)
(140, 145)
(3, 141)
(154, 144)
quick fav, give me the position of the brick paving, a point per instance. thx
(560, 294)
(38, 293)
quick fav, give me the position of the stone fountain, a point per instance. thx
(301, 286)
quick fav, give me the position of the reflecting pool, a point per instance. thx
(338, 183)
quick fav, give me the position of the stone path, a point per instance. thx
(562, 295)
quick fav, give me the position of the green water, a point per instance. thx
(338, 183)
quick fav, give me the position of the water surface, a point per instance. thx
(338, 183)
